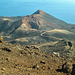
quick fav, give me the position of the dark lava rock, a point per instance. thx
(43, 62)
(67, 67)
(36, 66)
(6, 49)
(70, 44)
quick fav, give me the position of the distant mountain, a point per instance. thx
(21, 28)
(11, 18)
(7, 22)
(42, 21)
(39, 12)
(4, 24)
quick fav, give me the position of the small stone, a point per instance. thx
(6, 49)
(3, 69)
(43, 62)
(8, 59)
(20, 54)
(37, 53)
(2, 62)
(36, 66)
(59, 66)
(48, 67)
(29, 69)
(43, 67)
(27, 47)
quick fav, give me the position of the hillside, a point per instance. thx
(41, 21)
(64, 48)
(37, 44)
(30, 60)
(29, 29)
(11, 18)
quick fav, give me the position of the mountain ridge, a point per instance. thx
(34, 25)
(39, 12)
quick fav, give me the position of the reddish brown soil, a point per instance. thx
(28, 60)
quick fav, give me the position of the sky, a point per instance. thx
(42, 0)
(61, 9)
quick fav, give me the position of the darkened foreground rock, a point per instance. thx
(73, 70)
(68, 68)
(6, 49)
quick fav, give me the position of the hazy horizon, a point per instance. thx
(63, 9)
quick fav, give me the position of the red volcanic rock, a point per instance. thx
(25, 21)
(42, 21)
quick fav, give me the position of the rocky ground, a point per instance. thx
(30, 60)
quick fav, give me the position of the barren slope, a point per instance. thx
(29, 60)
